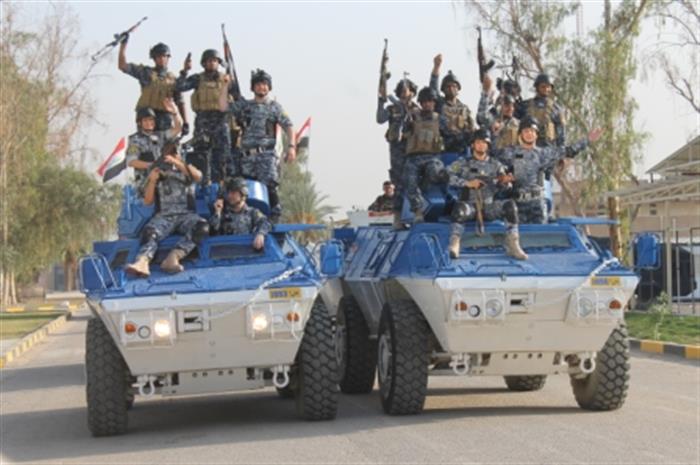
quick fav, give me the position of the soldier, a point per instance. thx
(546, 111)
(396, 114)
(260, 117)
(482, 177)
(505, 126)
(168, 186)
(145, 144)
(234, 216)
(157, 84)
(211, 125)
(384, 202)
(526, 161)
(489, 108)
(424, 142)
(460, 123)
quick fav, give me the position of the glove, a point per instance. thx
(123, 38)
(185, 129)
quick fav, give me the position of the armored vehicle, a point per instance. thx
(235, 319)
(407, 310)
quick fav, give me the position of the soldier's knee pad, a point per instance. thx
(149, 233)
(461, 212)
(200, 231)
(510, 211)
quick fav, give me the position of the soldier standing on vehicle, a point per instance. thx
(396, 114)
(211, 125)
(491, 108)
(526, 161)
(384, 202)
(157, 84)
(169, 185)
(482, 177)
(260, 117)
(145, 145)
(234, 216)
(424, 141)
(546, 111)
(505, 126)
(460, 123)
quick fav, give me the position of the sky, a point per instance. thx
(324, 61)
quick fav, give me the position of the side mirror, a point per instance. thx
(646, 251)
(331, 258)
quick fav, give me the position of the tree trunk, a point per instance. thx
(69, 267)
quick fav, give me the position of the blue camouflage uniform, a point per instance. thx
(257, 157)
(422, 159)
(145, 75)
(395, 114)
(459, 121)
(550, 119)
(247, 221)
(488, 171)
(145, 147)
(173, 215)
(211, 125)
(526, 165)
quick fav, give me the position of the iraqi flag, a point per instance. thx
(115, 163)
(302, 135)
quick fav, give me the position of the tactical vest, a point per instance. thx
(160, 88)
(508, 135)
(206, 96)
(424, 136)
(457, 117)
(543, 115)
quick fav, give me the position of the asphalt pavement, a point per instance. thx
(466, 420)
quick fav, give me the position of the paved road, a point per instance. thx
(42, 419)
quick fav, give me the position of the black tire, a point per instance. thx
(356, 353)
(317, 375)
(107, 388)
(525, 383)
(606, 388)
(402, 358)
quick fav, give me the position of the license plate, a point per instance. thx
(285, 293)
(607, 281)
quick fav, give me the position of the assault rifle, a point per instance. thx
(230, 65)
(484, 66)
(118, 38)
(384, 74)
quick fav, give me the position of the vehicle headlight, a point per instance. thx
(161, 328)
(474, 311)
(260, 323)
(494, 308)
(585, 307)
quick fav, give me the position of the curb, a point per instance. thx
(31, 339)
(690, 352)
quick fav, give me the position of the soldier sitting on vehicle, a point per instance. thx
(234, 216)
(157, 84)
(526, 161)
(481, 178)
(385, 202)
(146, 143)
(459, 121)
(169, 185)
(424, 142)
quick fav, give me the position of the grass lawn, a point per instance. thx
(674, 328)
(16, 325)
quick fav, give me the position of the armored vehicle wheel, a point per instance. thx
(107, 390)
(402, 358)
(606, 388)
(525, 383)
(317, 394)
(356, 353)
(130, 395)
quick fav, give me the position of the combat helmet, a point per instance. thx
(543, 78)
(427, 94)
(412, 87)
(142, 113)
(159, 49)
(449, 77)
(208, 54)
(237, 184)
(482, 134)
(260, 75)
(528, 122)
